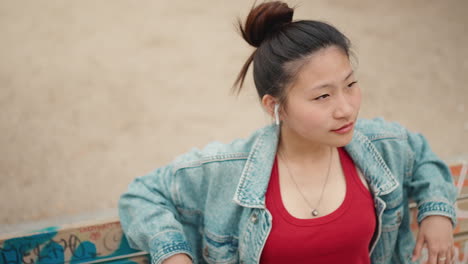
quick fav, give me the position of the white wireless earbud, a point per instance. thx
(276, 112)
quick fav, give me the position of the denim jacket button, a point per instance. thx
(254, 218)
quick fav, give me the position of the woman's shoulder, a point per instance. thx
(378, 128)
(216, 151)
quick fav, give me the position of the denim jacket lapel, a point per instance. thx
(256, 173)
(371, 164)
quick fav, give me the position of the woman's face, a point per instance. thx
(323, 103)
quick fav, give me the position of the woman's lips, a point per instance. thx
(344, 129)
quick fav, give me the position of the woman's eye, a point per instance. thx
(322, 97)
(351, 84)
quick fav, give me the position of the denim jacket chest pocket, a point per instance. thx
(219, 249)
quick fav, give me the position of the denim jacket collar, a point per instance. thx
(370, 162)
(255, 176)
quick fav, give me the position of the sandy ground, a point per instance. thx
(95, 93)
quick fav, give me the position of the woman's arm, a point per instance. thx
(149, 217)
(431, 186)
(178, 259)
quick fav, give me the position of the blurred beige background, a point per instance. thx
(95, 93)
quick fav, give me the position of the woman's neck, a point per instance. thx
(301, 150)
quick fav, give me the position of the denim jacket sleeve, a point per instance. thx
(149, 218)
(431, 184)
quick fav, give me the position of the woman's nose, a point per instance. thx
(343, 107)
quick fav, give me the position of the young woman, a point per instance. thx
(317, 186)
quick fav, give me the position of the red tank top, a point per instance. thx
(342, 236)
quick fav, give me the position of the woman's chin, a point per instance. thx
(343, 140)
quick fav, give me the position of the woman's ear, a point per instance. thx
(272, 106)
(268, 102)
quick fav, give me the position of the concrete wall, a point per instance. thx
(95, 93)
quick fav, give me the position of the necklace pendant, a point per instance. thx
(315, 212)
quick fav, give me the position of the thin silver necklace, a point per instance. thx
(314, 210)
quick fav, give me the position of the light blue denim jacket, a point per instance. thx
(210, 203)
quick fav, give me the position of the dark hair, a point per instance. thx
(280, 42)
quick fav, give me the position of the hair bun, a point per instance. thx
(264, 20)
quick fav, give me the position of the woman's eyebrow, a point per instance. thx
(328, 85)
(349, 75)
